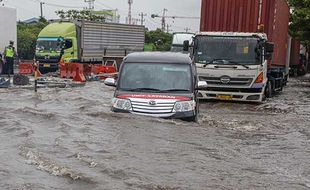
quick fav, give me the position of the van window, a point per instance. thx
(163, 77)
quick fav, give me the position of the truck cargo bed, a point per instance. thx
(109, 39)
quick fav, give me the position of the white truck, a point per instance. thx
(235, 65)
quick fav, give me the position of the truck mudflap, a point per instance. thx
(232, 96)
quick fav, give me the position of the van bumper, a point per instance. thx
(177, 115)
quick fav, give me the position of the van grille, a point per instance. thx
(163, 107)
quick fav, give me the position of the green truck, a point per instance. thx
(86, 42)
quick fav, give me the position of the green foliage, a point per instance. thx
(161, 40)
(300, 20)
(26, 38)
(80, 15)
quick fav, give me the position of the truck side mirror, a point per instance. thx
(268, 56)
(186, 45)
(269, 47)
(68, 44)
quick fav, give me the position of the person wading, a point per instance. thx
(9, 54)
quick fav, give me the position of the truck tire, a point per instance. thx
(268, 90)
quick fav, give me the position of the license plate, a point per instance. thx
(224, 97)
(46, 65)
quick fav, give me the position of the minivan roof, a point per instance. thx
(158, 57)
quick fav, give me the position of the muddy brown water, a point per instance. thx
(69, 139)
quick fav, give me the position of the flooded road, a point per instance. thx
(69, 139)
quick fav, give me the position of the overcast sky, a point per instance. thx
(189, 8)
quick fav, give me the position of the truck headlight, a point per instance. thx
(184, 106)
(123, 104)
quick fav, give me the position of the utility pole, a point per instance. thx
(187, 29)
(163, 20)
(41, 8)
(91, 4)
(168, 28)
(129, 11)
(142, 15)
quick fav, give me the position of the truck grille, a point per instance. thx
(146, 108)
(216, 81)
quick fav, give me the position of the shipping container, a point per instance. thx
(7, 26)
(246, 16)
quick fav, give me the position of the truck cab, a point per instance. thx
(49, 45)
(235, 65)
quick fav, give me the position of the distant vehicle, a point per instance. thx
(241, 51)
(87, 42)
(8, 27)
(157, 84)
(178, 40)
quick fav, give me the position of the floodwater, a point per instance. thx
(69, 139)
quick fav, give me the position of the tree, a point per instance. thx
(80, 15)
(26, 38)
(300, 20)
(161, 40)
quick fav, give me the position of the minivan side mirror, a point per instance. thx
(202, 85)
(110, 82)
(186, 45)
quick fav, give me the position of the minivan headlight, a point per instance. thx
(123, 104)
(184, 106)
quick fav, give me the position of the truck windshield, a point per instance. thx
(226, 50)
(48, 44)
(156, 77)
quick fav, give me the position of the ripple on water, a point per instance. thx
(44, 164)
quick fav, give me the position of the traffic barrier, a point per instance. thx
(27, 68)
(72, 70)
(78, 72)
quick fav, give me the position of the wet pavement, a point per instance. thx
(69, 139)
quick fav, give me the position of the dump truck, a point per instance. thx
(242, 51)
(86, 42)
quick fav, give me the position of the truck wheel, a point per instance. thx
(268, 90)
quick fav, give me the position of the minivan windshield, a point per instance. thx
(156, 77)
(226, 50)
